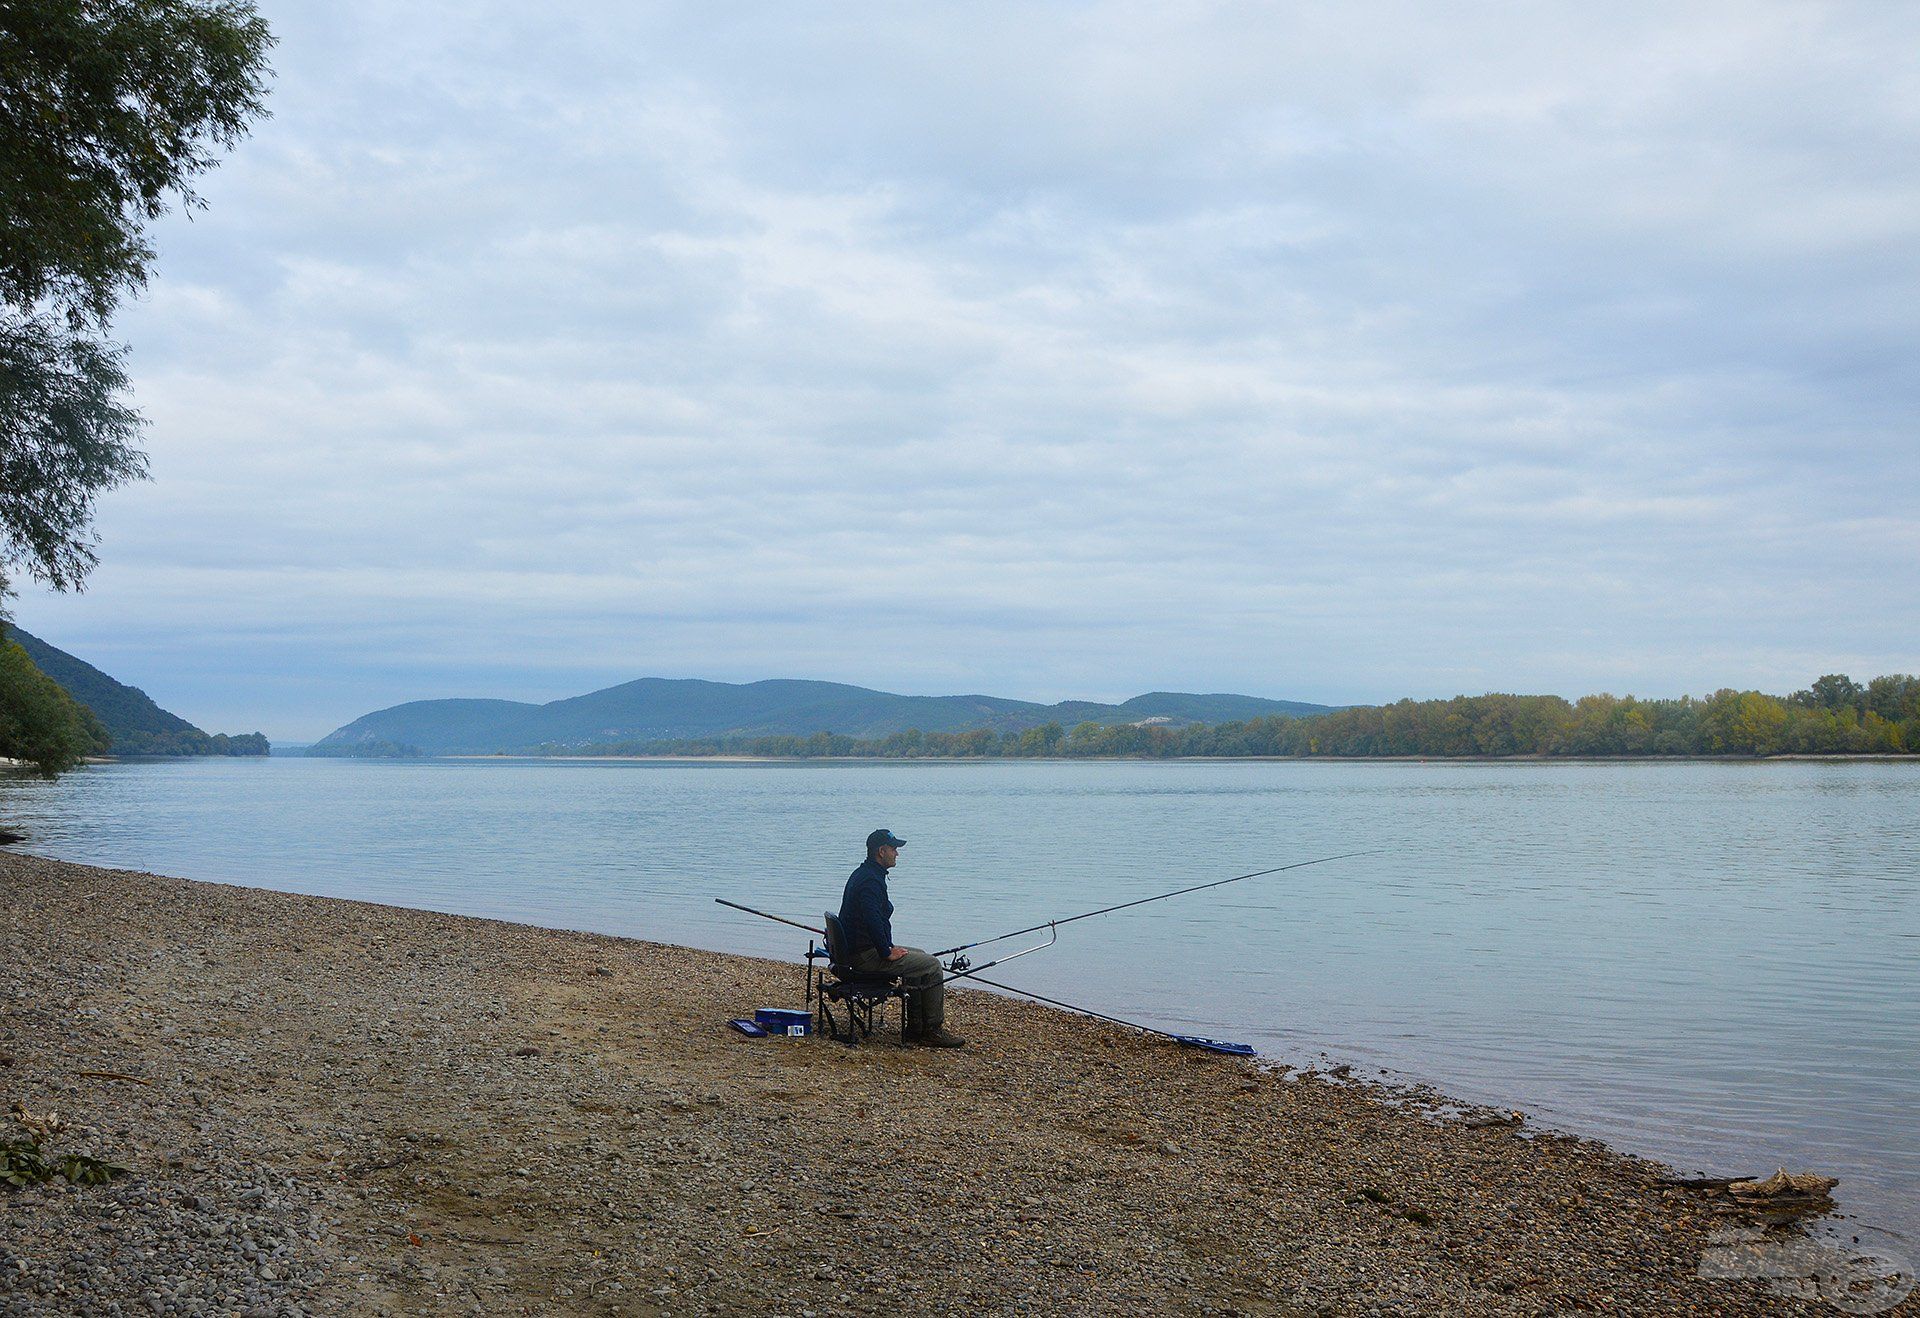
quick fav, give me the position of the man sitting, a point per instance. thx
(867, 915)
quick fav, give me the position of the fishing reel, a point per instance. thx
(962, 964)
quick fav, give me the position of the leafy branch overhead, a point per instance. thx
(107, 109)
(65, 439)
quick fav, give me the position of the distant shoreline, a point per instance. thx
(653, 719)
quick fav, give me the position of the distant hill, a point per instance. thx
(136, 725)
(664, 709)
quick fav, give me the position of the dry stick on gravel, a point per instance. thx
(113, 1075)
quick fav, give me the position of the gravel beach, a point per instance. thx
(333, 1107)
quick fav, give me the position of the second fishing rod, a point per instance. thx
(960, 964)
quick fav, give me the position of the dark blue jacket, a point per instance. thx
(865, 911)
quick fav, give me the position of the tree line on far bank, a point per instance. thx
(191, 743)
(1834, 716)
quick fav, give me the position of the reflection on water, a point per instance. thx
(1711, 963)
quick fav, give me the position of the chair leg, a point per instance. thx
(860, 1008)
(850, 1036)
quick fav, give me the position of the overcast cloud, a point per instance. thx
(1335, 353)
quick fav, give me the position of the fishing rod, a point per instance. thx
(1190, 1040)
(764, 915)
(960, 965)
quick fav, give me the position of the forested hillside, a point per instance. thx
(653, 709)
(134, 724)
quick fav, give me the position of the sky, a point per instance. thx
(1324, 352)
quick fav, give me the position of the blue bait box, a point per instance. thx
(783, 1021)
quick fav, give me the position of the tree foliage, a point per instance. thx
(65, 438)
(40, 723)
(109, 109)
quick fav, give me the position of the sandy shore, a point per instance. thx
(333, 1107)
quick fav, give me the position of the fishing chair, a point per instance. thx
(855, 993)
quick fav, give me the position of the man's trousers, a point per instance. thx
(922, 977)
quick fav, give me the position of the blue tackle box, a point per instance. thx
(784, 1021)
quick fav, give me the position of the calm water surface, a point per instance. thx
(1716, 964)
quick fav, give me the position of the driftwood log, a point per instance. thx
(1781, 1197)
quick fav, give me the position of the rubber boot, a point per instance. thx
(939, 1038)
